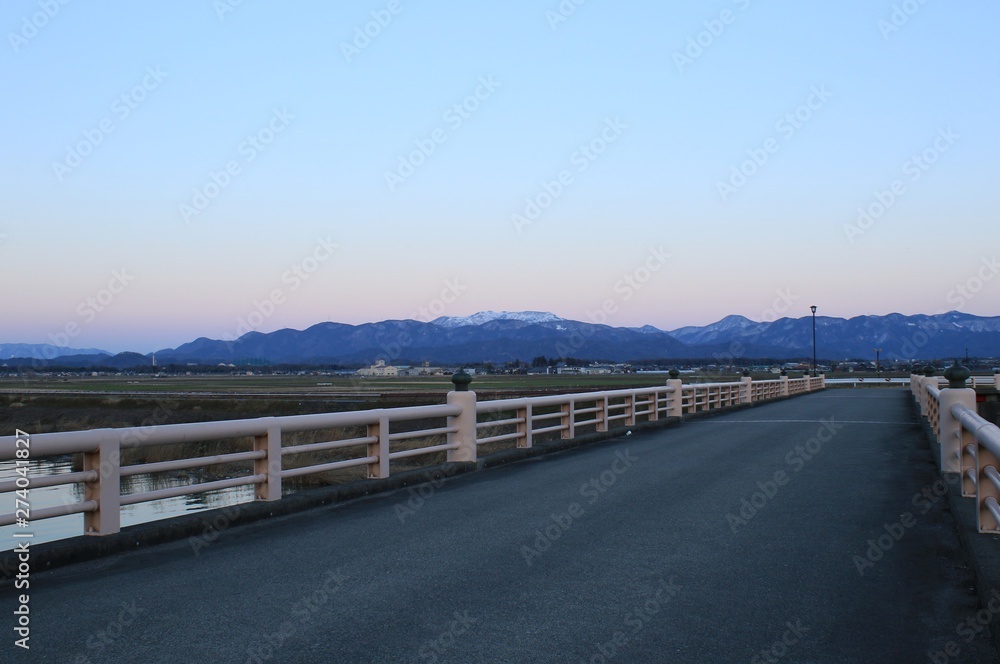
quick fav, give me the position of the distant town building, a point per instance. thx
(593, 369)
(379, 369)
(423, 370)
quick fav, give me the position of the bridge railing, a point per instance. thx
(370, 439)
(970, 444)
(516, 419)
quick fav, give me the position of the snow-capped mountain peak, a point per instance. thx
(487, 316)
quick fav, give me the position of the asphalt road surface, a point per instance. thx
(808, 530)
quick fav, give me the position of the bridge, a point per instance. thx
(818, 528)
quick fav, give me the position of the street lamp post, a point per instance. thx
(813, 309)
(878, 369)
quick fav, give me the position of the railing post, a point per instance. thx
(270, 465)
(996, 379)
(524, 427)
(380, 448)
(985, 521)
(746, 388)
(970, 461)
(567, 420)
(630, 409)
(950, 436)
(465, 421)
(676, 408)
(784, 383)
(106, 490)
(602, 414)
(923, 397)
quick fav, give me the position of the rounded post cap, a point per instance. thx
(461, 380)
(957, 375)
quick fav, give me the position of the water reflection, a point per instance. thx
(49, 530)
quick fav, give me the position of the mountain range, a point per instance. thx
(499, 337)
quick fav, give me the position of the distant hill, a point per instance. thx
(44, 351)
(491, 339)
(897, 336)
(83, 360)
(505, 336)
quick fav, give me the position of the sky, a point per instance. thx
(173, 170)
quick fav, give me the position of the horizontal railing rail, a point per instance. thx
(974, 381)
(370, 439)
(970, 444)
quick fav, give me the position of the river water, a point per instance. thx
(48, 530)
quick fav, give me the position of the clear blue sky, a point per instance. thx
(122, 229)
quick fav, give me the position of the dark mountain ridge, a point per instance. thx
(506, 336)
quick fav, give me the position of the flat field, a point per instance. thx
(312, 384)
